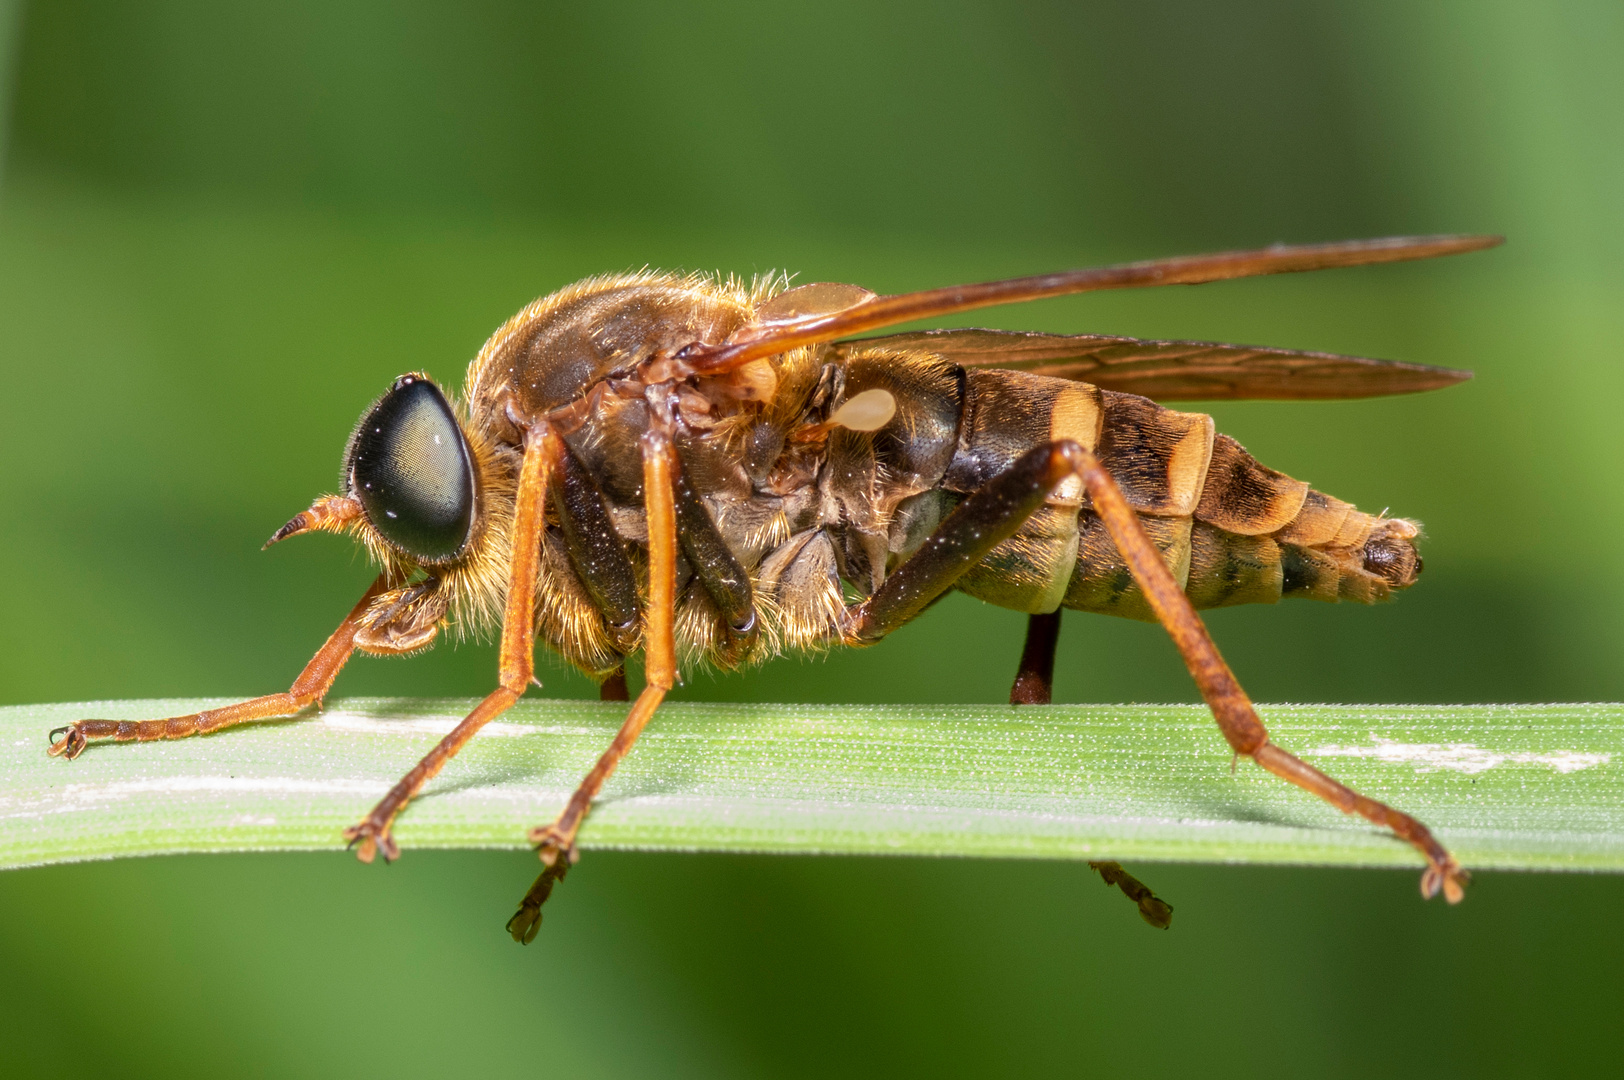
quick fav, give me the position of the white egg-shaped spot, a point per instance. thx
(869, 411)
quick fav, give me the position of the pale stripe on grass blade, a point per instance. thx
(1537, 787)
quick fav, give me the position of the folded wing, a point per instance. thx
(1175, 370)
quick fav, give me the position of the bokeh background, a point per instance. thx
(225, 228)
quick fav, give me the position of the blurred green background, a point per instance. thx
(224, 228)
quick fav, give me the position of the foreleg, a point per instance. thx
(517, 665)
(308, 689)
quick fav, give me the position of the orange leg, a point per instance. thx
(517, 665)
(996, 510)
(556, 842)
(308, 689)
(1230, 706)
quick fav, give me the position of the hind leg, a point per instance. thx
(995, 511)
(1230, 706)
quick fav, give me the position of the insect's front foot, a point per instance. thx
(372, 836)
(1448, 877)
(72, 743)
(551, 842)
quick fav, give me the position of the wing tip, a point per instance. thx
(1403, 248)
(1438, 378)
(1464, 242)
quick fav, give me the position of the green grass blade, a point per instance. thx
(1537, 787)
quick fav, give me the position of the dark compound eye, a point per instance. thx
(409, 466)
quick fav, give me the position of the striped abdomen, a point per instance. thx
(1232, 531)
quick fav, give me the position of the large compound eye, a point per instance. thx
(409, 466)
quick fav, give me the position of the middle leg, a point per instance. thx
(556, 842)
(660, 648)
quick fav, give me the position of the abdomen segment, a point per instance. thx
(1232, 531)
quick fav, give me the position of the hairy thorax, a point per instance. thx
(743, 440)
